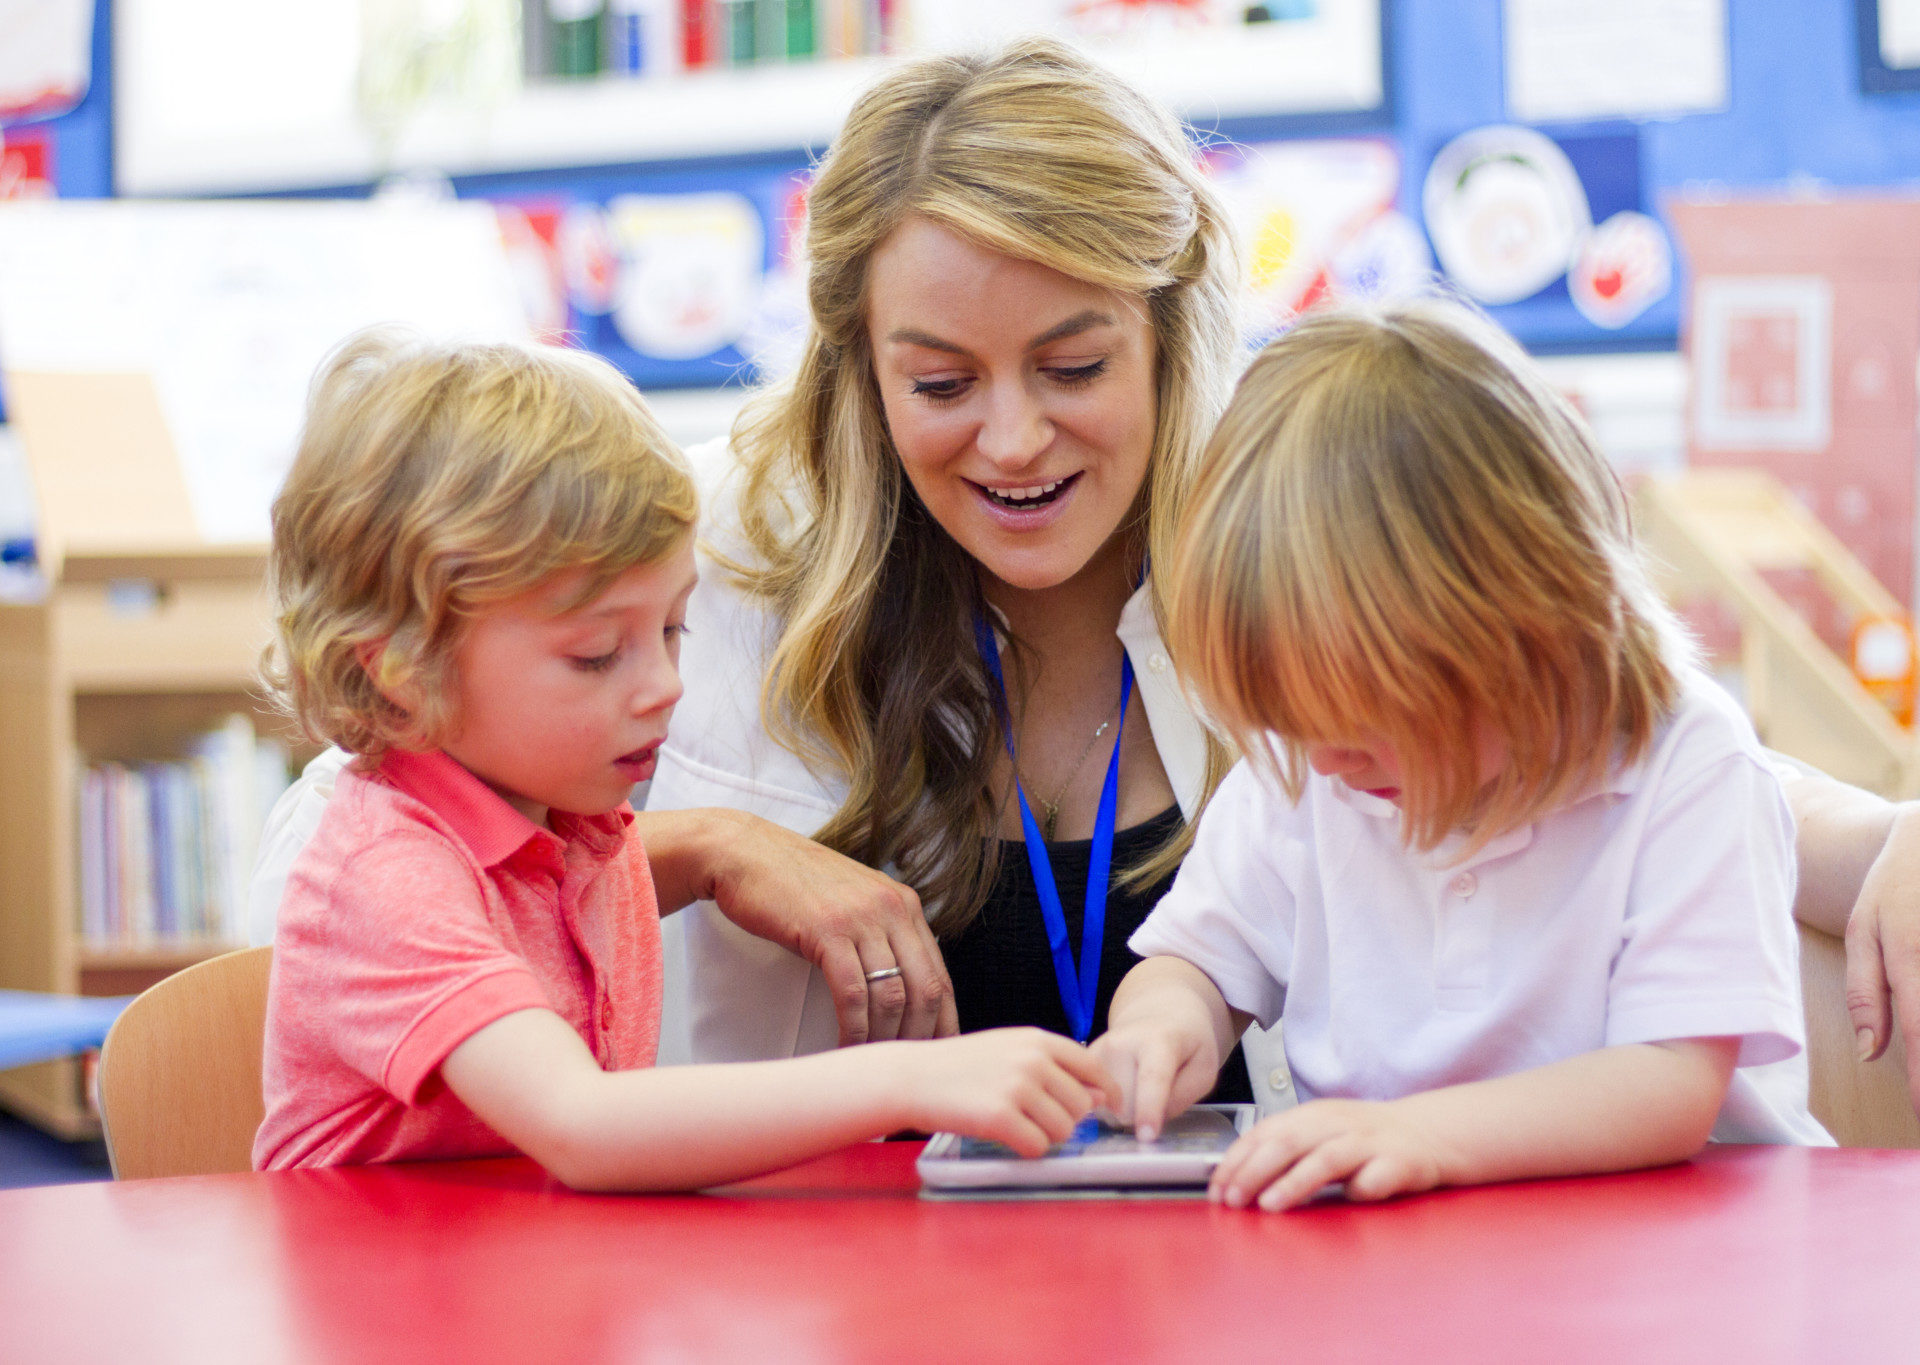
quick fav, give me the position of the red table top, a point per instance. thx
(1746, 1254)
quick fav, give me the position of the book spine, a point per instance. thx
(697, 45)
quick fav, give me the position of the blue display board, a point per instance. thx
(1797, 114)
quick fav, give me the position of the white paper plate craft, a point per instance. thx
(690, 271)
(1622, 268)
(1506, 212)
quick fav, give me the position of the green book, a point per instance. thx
(800, 35)
(573, 40)
(742, 24)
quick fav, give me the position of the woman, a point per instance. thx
(1021, 291)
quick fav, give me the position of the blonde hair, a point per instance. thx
(1403, 532)
(432, 480)
(1038, 154)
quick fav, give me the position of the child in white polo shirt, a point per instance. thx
(1516, 878)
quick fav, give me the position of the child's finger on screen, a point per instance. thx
(1014, 1129)
(1074, 1095)
(1153, 1080)
(1051, 1116)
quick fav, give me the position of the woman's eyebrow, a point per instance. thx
(1083, 321)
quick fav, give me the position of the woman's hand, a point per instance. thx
(842, 916)
(1283, 1161)
(1860, 877)
(1024, 1087)
(1883, 948)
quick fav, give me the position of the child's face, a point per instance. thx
(566, 711)
(1372, 765)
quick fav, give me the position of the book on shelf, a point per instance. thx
(166, 849)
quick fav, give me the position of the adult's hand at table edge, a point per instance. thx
(1883, 948)
(842, 916)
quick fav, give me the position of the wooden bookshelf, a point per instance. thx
(130, 656)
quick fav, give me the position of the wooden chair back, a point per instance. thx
(180, 1071)
(1861, 1104)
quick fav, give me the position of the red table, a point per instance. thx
(1747, 1254)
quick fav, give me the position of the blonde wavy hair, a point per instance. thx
(1403, 532)
(435, 479)
(1039, 154)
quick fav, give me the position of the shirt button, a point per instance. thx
(606, 1015)
(1465, 885)
(1277, 1079)
(1158, 663)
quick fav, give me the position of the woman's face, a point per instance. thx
(1021, 401)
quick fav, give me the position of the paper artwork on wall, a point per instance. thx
(1316, 218)
(26, 164)
(1620, 269)
(1576, 60)
(46, 56)
(1506, 211)
(690, 270)
(1762, 358)
(530, 233)
(589, 258)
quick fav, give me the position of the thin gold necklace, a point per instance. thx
(1052, 818)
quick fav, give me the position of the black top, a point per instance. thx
(1001, 966)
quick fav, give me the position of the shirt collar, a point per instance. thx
(1623, 779)
(482, 819)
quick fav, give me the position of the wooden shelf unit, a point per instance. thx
(130, 656)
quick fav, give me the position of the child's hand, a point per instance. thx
(1024, 1087)
(1162, 1064)
(1282, 1161)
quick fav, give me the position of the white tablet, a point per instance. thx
(1098, 1158)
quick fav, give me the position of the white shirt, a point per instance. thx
(1657, 907)
(730, 996)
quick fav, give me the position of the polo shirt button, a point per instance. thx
(1278, 1079)
(1465, 885)
(1158, 663)
(606, 1015)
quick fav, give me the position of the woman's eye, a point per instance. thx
(598, 663)
(1074, 376)
(939, 390)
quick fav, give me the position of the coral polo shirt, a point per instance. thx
(425, 908)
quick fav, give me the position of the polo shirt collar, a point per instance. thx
(485, 821)
(1623, 779)
(479, 816)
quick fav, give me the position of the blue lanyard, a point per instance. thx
(1078, 989)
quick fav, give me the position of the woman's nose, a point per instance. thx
(1015, 429)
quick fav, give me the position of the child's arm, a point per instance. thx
(530, 1078)
(1614, 1109)
(842, 916)
(1168, 1031)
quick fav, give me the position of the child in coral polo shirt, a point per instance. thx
(482, 559)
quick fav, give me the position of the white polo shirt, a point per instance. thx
(1658, 906)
